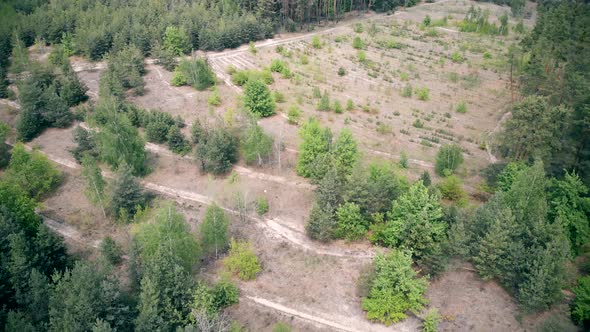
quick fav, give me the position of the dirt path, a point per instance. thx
(68, 231)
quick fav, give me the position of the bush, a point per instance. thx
(581, 303)
(257, 98)
(462, 107)
(242, 261)
(451, 188)
(350, 224)
(395, 290)
(294, 114)
(261, 206)
(316, 42)
(178, 78)
(177, 142)
(225, 293)
(157, 129)
(403, 160)
(349, 105)
(341, 71)
(198, 73)
(357, 43)
(324, 102)
(278, 66)
(337, 107)
(423, 94)
(361, 56)
(431, 321)
(214, 99)
(176, 41)
(110, 250)
(426, 21)
(256, 145)
(407, 91)
(358, 28)
(278, 97)
(218, 151)
(456, 57)
(448, 159)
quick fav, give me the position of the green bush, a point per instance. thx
(281, 327)
(278, 97)
(426, 21)
(316, 42)
(358, 28)
(324, 102)
(451, 188)
(350, 223)
(242, 261)
(110, 250)
(361, 56)
(214, 99)
(423, 94)
(462, 107)
(178, 78)
(341, 71)
(407, 91)
(225, 293)
(278, 66)
(357, 43)
(337, 107)
(448, 158)
(198, 73)
(581, 303)
(294, 114)
(395, 290)
(349, 105)
(177, 142)
(217, 150)
(261, 206)
(431, 321)
(456, 57)
(258, 99)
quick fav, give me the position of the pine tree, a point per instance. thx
(95, 184)
(321, 224)
(149, 318)
(127, 195)
(345, 152)
(176, 141)
(258, 99)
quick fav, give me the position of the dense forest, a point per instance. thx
(529, 232)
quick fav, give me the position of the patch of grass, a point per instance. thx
(361, 56)
(262, 206)
(418, 124)
(214, 99)
(304, 59)
(279, 97)
(462, 107)
(384, 129)
(349, 105)
(357, 43)
(316, 42)
(294, 114)
(456, 57)
(358, 28)
(407, 91)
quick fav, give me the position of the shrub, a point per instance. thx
(281, 327)
(157, 130)
(316, 42)
(341, 71)
(358, 28)
(178, 78)
(462, 107)
(225, 293)
(451, 188)
(449, 158)
(257, 146)
(294, 114)
(456, 57)
(252, 48)
(350, 223)
(304, 59)
(214, 99)
(361, 56)
(487, 55)
(278, 66)
(431, 321)
(278, 97)
(261, 206)
(217, 151)
(418, 123)
(110, 250)
(257, 98)
(581, 303)
(242, 261)
(423, 94)
(357, 43)
(407, 91)
(337, 107)
(426, 21)
(349, 105)
(403, 160)
(198, 73)
(394, 290)
(324, 103)
(177, 142)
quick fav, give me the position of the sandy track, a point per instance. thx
(491, 156)
(68, 231)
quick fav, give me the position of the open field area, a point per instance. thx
(404, 89)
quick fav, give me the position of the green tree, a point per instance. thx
(177, 142)
(127, 196)
(197, 72)
(110, 250)
(581, 303)
(321, 224)
(95, 183)
(256, 145)
(451, 189)
(350, 223)
(4, 153)
(258, 99)
(16, 205)
(242, 260)
(20, 55)
(448, 159)
(176, 41)
(214, 231)
(217, 152)
(167, 230)
(316, 142)
(85, 144)
(414, 222)
(345, 152)
(31, 171)
(395, 289)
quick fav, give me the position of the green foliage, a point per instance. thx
(431, 321)
(581, 303)
(95, 183)
(426, 21)
(4, 153)
(178, 78)
(448, 159)
(167, 231)
(125, 69)
(345, 153)
(357, 43)
(316, 42)
(110, 250)
(176, 41)
(281, 327)
(337, 107)
(294, 114)
(350, 223)
(403, 160)
(316, 143)
(177, 142)
(197, 72)
(349, 105)
(414, 222)
(262, 206)
(451, 189)
(407, 91)
(225, 293)
(361, 56)
(258, 99)
(217, 151)
(341, 71)
(423, 93)
(476, 20)
(425, 178)
(31, 171)
(394, 290)
(462, 107)
(278, 97)
(17, 206)
(214, 99)
(242, 261)
(257, 146)
(324, 102)
(127, 196)
(214, 229)
(358, 28)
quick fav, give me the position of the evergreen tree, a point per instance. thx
(350, 222)
(176, 141)
(149, 318)
(127, 195)
(85, 144)
(218, 152)
(345, 152)
(214, 229)
(95, 184)
(321, 224)
(258, 99)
